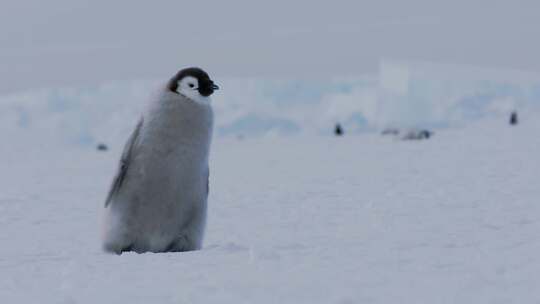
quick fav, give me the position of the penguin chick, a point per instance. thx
(158, 199)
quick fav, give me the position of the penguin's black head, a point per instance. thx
(192, 82)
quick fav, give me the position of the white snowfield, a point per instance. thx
(298, 219)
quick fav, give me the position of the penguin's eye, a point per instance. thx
(191, 85)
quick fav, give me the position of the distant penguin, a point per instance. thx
(157, 201)
(102, 147)
(417, 135)
(338, 130)
(514, 118)
(425, 134)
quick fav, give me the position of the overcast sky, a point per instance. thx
(80, 42)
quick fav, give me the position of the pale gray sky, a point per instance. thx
(80, 42)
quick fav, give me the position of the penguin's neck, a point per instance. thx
(173, 120)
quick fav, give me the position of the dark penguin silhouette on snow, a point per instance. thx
(514, 118)
(102, 147)
(417, 135)
(338, 131)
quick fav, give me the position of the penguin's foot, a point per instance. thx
(117, 247)
(127, 249)
(181, 244)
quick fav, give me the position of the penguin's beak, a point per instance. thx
(208, 88)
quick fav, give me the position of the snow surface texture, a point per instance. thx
(292, 219)
(356, 219)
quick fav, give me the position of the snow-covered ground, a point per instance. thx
(296, 219)
(295, 216)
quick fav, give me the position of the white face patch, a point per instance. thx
(188, 87)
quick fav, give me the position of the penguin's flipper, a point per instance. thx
(207, 181)
(127, 155)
